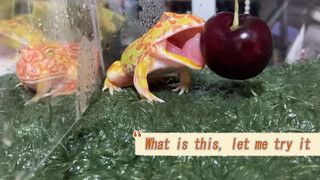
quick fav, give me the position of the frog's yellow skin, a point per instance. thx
(155, 54)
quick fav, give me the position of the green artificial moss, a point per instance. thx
(101, 146)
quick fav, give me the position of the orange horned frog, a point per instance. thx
(45, 66)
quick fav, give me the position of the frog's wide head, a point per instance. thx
(46, 61)
(178, 39)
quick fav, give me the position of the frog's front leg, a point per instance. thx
(67, 87)
(42, 88)
(117, 77)
(140, 80)
(185, 81)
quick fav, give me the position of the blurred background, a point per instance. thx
(295, 24)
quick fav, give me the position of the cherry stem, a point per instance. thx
(236, 16)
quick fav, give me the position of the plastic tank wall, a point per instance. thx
(50, 56)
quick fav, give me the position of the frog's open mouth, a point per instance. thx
(186, 44)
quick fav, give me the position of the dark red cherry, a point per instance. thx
(236, 50)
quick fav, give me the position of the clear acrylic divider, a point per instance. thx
(51, 64)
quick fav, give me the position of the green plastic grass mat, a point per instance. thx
(28, 133)
(101, 146)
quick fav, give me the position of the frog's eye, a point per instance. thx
(49, 52)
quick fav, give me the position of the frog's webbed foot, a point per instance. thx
(109, 85)
(18, 85)
(185, 81)
(33, 100)
(117, 77)
(151, 97)
(42, 88)
(182, 87)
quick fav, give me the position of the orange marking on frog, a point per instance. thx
(172, 21)
(159, 25)
(139, 47)
(54, 65)
(176, 27)
(131, 58)
(197, 20)
(177, 16)
(145, 37)
(112, 66)
(147, 46)
(141, 56)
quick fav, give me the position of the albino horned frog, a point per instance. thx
(171, 46)
(49, 69)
